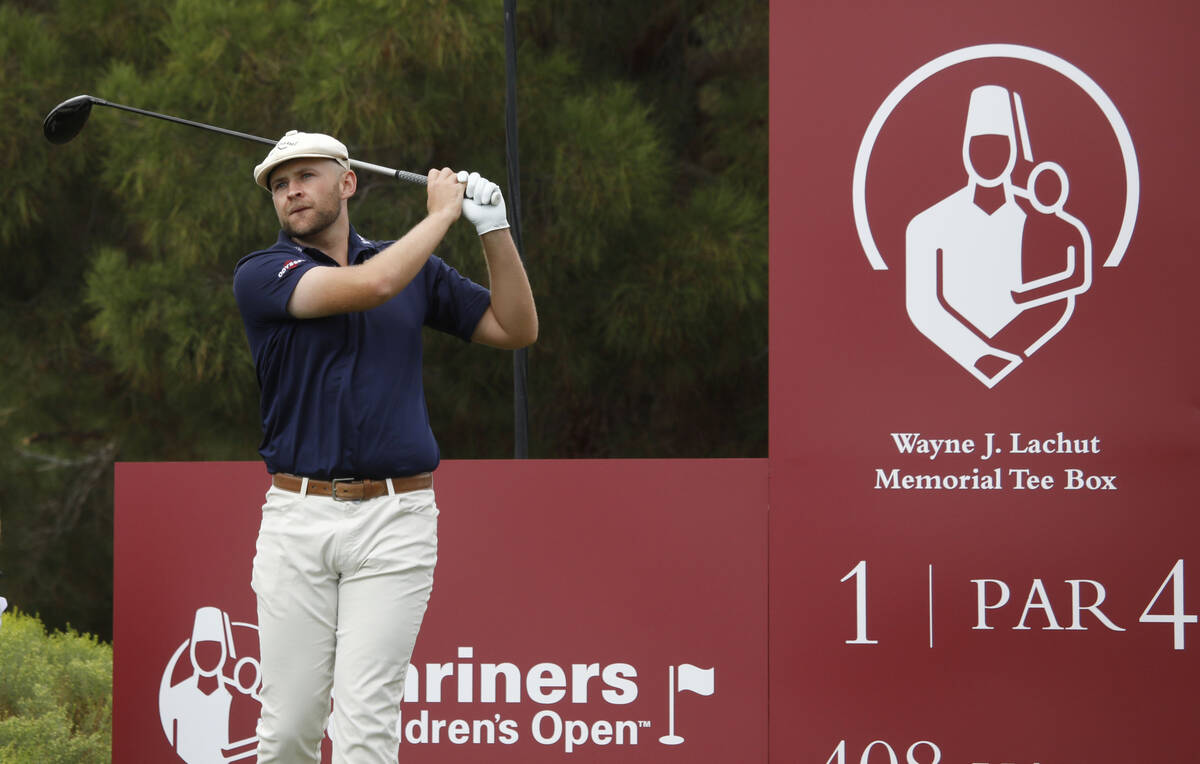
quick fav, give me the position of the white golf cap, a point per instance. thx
(297, 145)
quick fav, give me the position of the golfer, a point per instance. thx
(348, 540)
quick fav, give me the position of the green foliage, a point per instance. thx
(24, 44)
(55, 695)
(644, 201)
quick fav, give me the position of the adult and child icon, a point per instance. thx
(993, 269)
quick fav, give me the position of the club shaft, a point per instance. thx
(188, 122)
(404, 175)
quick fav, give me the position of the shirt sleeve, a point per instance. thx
(455, 303)
(264, 283)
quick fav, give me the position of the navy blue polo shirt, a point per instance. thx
(342, 396)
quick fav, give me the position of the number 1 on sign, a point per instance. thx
(859, 573)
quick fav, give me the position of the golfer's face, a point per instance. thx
(307, 195)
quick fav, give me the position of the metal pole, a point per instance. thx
(520, 357)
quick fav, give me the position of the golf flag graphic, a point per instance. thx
(693, 679)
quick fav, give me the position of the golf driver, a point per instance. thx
(66, 120)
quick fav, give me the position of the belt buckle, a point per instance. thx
(333, 484)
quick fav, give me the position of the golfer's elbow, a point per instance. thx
(377, 292)
(522, 335)
(529, 336)
(530, 333)
(512, 333)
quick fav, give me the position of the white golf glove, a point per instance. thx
(483, 203)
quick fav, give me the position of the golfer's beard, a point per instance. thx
(323, 220)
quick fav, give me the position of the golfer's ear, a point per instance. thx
(349, 183)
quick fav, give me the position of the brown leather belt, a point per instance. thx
(349, 489)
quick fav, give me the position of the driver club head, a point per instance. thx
(66, 120)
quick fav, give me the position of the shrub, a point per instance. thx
(55, 695)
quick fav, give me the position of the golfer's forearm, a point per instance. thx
(512, 298)
(328, 291)
(391, 270)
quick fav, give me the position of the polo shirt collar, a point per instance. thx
(358, 248)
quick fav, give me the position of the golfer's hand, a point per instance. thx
(483, 204)
(444, 194)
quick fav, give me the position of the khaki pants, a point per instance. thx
(342, 588)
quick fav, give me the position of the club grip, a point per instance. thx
(404, 175)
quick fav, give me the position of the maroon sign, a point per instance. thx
(607, 610)
(982, 540)
(983, 377)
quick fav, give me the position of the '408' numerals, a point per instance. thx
(910, 756)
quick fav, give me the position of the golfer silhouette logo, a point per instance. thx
(208, 715)
(993, 267)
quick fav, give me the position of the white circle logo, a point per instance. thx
(1000, 173)
(209, 701)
